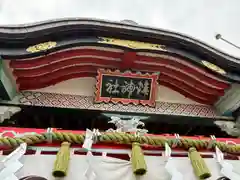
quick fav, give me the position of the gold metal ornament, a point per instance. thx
(214, 67)
(41, 47)
(132, 44)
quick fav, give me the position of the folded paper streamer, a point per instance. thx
(226, 167)
(62, 161)
(199, 166)
(172, 170)
(176, 140)
(10, 164)
(90, 138)
(90, 174)
(170, 165)
(49, 135)
(138, 162)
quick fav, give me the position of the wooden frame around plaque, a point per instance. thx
(126, 87)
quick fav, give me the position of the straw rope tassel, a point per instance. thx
(199, 166)
(138, 162)
(62, 161)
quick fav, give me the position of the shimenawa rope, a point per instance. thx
(119, 138)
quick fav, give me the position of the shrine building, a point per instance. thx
(76, 74)
(56, 68)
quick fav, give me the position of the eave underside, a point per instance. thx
(83, 61)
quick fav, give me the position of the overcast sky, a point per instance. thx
(201, 19)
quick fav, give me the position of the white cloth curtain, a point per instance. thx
(107, 168)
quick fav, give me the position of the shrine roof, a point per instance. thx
(69, 30)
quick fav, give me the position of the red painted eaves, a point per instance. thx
(180, 75)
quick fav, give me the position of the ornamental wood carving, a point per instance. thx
(41, 47)
(132, 44)
(214, 67)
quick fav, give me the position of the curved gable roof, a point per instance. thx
(41, 52)
(63, 28)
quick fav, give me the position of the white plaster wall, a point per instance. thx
(86, 87)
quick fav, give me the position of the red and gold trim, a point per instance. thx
(191, 81)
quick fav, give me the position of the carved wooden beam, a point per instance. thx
(231, 128)
(230, 101)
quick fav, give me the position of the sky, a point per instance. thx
(201, 19)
